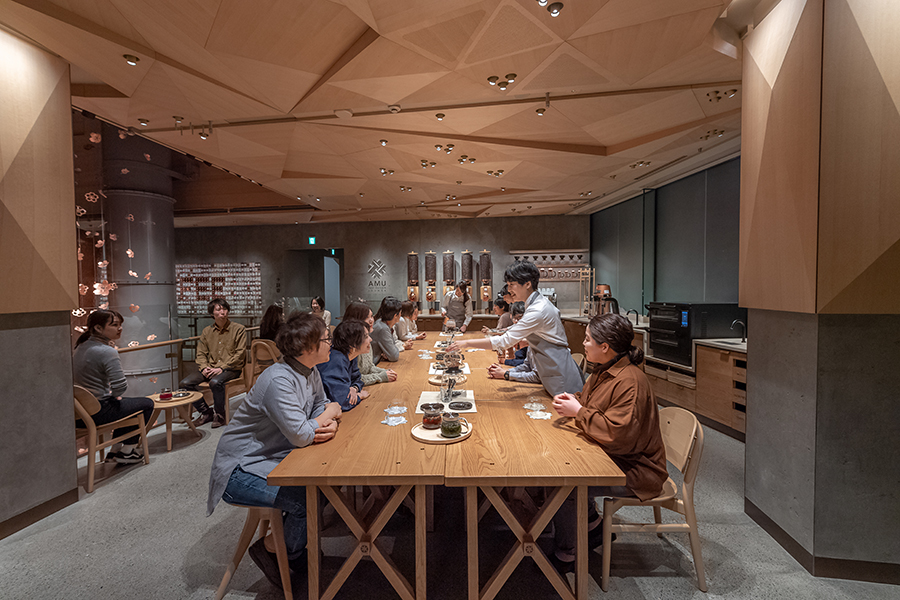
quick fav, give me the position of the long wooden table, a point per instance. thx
(507, 449)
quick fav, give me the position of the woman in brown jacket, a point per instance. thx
(616, 409)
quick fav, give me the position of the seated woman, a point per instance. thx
(384, 343)
(369, 373)
(317, 306)
(406, 328)
(97, 367)
(520, 350)
(340, 375)
(501, 309)
(616, 409)
(286, 409)
(271, 322)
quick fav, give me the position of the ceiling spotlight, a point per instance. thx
(440, 116)
(361, 194)
(503, 85)
(449, 147)
(204, 135)
(493, 79)
(454, 197)
(143, 122)
(402, 188)
(731, 93)
(542, 2)
(438, 147)
(383, 142)
(390, 171)
(318, 200)
(502, 189)
(299, 198)
(432, 164)
(459, 203)
(541, 111)
(178, 120)
(555, 8)
(409, 189)
(459, 183)
(511, 77)
(490, 172)
(131, 59)
(471, 160)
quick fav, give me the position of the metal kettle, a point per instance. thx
(603, 300)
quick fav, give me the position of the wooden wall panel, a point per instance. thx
(37, 215)
(859, 222)
(780, 150)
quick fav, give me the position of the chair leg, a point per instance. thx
(102, 451)
(657, 518)
(243, 543)
(144, 445)
(91, 464)
(277, 523)
(607, 542)
(691, 519)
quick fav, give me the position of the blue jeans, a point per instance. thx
(250, 490)
(113, 410)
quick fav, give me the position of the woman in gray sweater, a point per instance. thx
(97, 367)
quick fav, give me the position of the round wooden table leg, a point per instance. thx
(168, 412)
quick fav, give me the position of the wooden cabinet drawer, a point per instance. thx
(739, 421)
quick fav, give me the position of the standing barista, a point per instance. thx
(457, 306)
(541, 327)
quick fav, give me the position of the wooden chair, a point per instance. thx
(579, 360)
(261, 518)
(263, 354)
(683, 439)
(236, 386)
(86, 405)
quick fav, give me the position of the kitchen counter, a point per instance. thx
(734, 344)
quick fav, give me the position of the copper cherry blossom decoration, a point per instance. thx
(104, 306)
(103, 288)
(147, 276)
(130, 217)
(80, 328)
(82, 289)
(130, 253)
(113, 237)
(80, 254)
(103, 264)
(91, 197)
(151, 337)
(80, 212)
(95, 138)
(78, 312)
(147, 156)
(132, 273)
(125, 171)
(99, 243)
(122, 134)
(154, 379)
(134, 344)
(134, 308)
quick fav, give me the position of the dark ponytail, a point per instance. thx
(616, 331)
(99, 318)
(464, 288)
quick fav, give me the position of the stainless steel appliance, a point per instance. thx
(674, 326)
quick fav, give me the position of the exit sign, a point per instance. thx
(312, 241)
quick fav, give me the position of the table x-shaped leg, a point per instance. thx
(367, 544)
(526, 543)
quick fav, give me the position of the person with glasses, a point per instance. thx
(369, 373)
(340, 375)
(287, 408)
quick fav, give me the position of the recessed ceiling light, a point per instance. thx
(493, 79)
(318, 200)
(131, 59)
(438, 147)
(503, 84)
(555, 8)
(540, 111)
(511, 77)
(178, 120)
(361, 194)
(440, 116)
(502, 189)
(204, 135)
(432, 164)
(384, 142)
(143, 122)
(543, 2)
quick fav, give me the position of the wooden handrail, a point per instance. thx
(168, 342)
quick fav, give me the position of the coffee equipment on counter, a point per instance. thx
(486, 275)
(603, 301)
(675, 325)
(412, 277)
(430, 281)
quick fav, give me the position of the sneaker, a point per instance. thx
(203, 419)
(595, 537)
(218, 421)
(266, 561)
(562, 566)
(122, 458)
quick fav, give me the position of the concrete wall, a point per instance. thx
(389, 242)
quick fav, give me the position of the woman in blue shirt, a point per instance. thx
(340, 375)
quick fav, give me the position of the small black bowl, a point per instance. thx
(460, 405)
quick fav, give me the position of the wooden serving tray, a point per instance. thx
(433, 436)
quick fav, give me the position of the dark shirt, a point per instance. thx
(339, 374)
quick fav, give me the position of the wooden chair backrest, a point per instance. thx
(86, 402)
(683, 438)
(579, 359)
(261, 349)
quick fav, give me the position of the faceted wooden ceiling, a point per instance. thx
(633, 85)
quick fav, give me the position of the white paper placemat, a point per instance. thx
(441, 345)
(433, 369)
(429, 397)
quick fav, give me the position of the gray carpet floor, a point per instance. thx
(143, 533)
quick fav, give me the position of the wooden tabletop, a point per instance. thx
(506, 448)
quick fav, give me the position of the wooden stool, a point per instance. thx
(262, 518)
